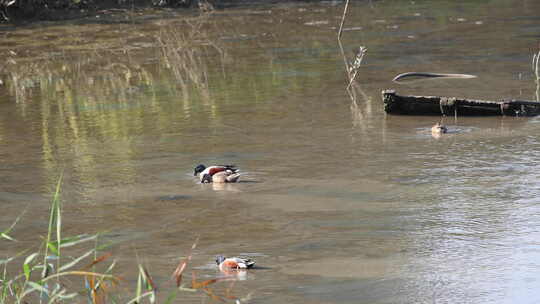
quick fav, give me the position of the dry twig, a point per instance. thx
(353, 67)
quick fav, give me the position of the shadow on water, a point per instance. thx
(174, 197)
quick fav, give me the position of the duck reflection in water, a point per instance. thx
(225, 187)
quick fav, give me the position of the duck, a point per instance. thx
(438, 128)
(220, 177)
(225, 264)
(228, 173)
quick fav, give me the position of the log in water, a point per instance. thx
(435, 105)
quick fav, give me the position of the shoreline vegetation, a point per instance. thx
(24, 11)
(61, 270)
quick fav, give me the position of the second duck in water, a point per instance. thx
(217, 174)
(234, 263)
(438, 129)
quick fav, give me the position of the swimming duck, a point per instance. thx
(233, 263)
(206, 174)
(220, 177)
(438, 129)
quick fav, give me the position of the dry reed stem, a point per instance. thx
(98, 260)
(536, 70)
(351, 70)
(177, 274)
(340, 32)
(149, 279)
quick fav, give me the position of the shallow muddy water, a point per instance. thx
(338, 203)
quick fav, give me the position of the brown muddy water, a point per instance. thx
(338, 204)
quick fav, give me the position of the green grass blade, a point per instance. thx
(52, 221)
(111, 267)
(30, 258)
(5, 261)
(75, 261)
(80, 273)
(36, 286)
(58, 227)
(5, 285)
(7, 237)
(25, 293)
(108, 271)
(26, 265)
(139, 282)
(5, 234)
(72, 241)
(52, 247)
(147, 282)
(26, 270)
(138, 298)
(33, 287)
(63, 296)
(172, 296)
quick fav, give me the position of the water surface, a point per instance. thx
(340, 203)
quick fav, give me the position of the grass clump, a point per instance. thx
(42, 270)
(49, 275)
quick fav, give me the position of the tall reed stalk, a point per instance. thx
(536, 70)
(352, 69)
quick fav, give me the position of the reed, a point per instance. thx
(184, 52)
(536, 70)
(352, 67)
(51, 275)
(41, 279)
(536, 65)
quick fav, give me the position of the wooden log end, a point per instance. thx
(388, 97)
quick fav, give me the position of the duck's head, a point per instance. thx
(198, 169)
(220, 259)
(207, 178)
